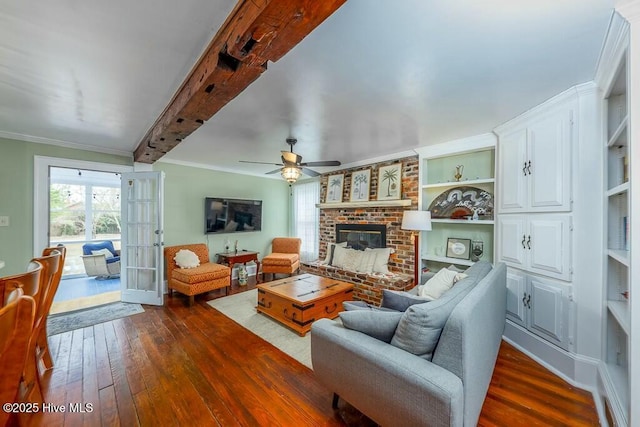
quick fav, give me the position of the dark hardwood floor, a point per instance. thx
(176, 365)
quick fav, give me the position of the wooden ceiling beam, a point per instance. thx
(256, 31)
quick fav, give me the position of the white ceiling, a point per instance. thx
(377, 78)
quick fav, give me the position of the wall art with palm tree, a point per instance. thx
(390, 182)
(360, 181)
(335, 185)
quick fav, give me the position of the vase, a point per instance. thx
(243, 275)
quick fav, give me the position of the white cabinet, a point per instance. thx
(540, 305)
(534, 172)
(539, 243)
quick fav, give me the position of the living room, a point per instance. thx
(188, 183)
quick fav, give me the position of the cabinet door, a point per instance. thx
(516, 297)
(512, 179)
(512, 240)
(549, 245)
(549, 173)
(549, 312)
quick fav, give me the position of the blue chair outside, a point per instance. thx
(101, 259)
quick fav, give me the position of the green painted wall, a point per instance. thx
(185, 190)
(16, 195)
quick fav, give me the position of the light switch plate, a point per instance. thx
(4, 221)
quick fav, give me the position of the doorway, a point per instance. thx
(83, 200)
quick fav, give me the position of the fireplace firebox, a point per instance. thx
(362, 236)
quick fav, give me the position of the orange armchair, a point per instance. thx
(284, 257)
(193, 281)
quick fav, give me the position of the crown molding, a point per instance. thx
(614, 47)
(216, 168)
(65, 144)
(629, 9)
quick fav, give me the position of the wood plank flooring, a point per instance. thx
(176, 365)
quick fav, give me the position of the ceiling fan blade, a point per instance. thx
(290, 157)
(273, 171)
(322, 163)
(310, 172)
(260, 163)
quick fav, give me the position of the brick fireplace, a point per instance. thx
(390, 217)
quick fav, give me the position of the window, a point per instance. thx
(306, 217)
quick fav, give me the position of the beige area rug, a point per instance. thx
(242, 309)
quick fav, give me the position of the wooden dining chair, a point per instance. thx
(42, 342)
(31, 377)
(29, 284)
(16, 316)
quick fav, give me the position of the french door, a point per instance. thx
(142, 241)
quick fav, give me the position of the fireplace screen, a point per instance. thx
(362, 236)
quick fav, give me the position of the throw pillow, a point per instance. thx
(186, 259)
(106, 252)
(352, 259)
(401, 301)
(339, 254)
(420, 327)
(381, 261)
(377, 324)
(440, 283)
(368, 258)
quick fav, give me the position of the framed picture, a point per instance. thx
(390, 182)
(360, 181)
(335, 185)
(458, 248)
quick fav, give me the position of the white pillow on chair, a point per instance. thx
(440, 283)
(186, 259)
(106, 252)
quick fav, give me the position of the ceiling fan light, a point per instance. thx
(290, 174)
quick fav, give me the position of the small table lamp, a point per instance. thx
(416, 221)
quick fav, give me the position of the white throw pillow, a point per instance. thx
(186, 259)
(440, 283)
(339, 254)
(352, 259)
(381, 261)
(104, 251)
(367, 261)
(330, 246)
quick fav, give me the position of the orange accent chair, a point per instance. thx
(284, 257)
(16, 317)
(194, 281)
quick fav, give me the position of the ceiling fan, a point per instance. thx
(292, 165)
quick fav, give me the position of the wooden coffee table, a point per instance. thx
(299, 301)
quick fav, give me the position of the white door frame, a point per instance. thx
(41, 166)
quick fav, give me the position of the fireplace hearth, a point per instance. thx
(362, 236)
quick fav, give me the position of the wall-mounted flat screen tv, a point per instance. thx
(223, 215)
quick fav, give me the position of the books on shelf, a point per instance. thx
(625, 169)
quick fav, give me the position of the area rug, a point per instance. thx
(242, 309)
(59, 323)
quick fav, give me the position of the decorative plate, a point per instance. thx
(462, 202)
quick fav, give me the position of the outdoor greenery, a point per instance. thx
(68, 210)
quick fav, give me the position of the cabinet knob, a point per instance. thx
(529, 168)
(524, 300)
(524, 240)
(529, 243)
(529, 301)
(524, 169)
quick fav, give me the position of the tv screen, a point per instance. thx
(223, 215)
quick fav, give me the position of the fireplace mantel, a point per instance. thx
(370, 204)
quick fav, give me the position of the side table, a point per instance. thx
(240, 257)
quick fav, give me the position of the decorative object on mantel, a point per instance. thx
(416, 221)
(458, 174)
(360, 181)
(463, 202)
(390, 182)
(335, 186)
